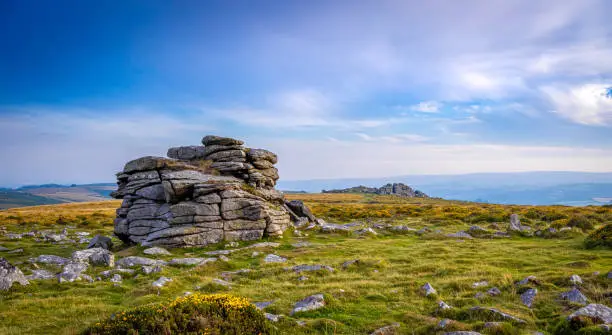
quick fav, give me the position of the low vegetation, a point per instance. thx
(381, 287)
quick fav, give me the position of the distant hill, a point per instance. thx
(46, 194)
(525, 188)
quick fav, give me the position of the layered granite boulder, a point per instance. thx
(221, 191)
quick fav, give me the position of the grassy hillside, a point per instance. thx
(11, 199)
(35, 195)
(381, 288)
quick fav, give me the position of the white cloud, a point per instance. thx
(427, 107)
(588, 104)
(395, 138)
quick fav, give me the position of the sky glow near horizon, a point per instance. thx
(336, 88)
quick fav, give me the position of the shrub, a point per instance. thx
(196, 313)
(581, 222)
(600, 237)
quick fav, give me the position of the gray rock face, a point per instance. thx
(10, 274)
(202, 195)
(575, 296)
(397, 189)
(309, 304)
(191, 261)
(138, 261)
(516, 226)
(596, 312)
(309, 268)
(528, 297)
(100, 241)
(71, 272)
(50, 259)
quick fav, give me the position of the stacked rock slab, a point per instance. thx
(201, 195)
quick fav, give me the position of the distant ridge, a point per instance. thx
(398, 189)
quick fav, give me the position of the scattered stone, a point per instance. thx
(494, 291)
(463, 332)
(15, 251)
(480, 284)
(71, 272)
(136, 261)
(108, 273)
(460, 234)
(492, 325)
(477, 229)
(255, 254)
(529, 279)
(428, 289)
(161, 282)
(100, 241)
(41, 275)
(50, 259)
(443, 306)
(149, 269)
(224, 258)
(308, 268)
(10, 274)
(4, 248)
(156, 251)
(444, 323)
(575, 279)
(575, 296)
(596, 312)
(116, 278)
(528, 297)
(191, 261)
(402, 228)
(366, 231)
(310, 303)
(498, 313)
(479, 295)
(387, 330)
(515, 224)
(219, 252)
(271, 258)
(95, 256)
(609, 275)
(272, 317)
(302, 278)
(87, 277)
(263, 304)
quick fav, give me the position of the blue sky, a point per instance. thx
(336, 88)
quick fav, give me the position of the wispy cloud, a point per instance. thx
(588, 104)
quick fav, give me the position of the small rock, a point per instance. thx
(255, 254)
(302, 278)
(529, 279)
(462, 332)
(100, 241)
(349, 263)
(161, 282)
(494, 291)
(96, 256)
(387, 330)
(15, 251)
(50, 259)
(575, 296)
(156, 251)
(272, 317)
(87, 278)
(479, 295)
(271, 258)
(316, 267)
(460, 234)
(10, 274)
(263, 304)
(428, 289)
(116, 278)
(191, 261)
(148, 269)
(232, 245)
(310, 303)
(444, 322)
(575, 279)
(480, 284)
(229, 274)
(443, 306)
(135, 260)
(596, 312)
(366, 231)
(71, 272)
(528, 297)
(224, 258)
(301, 244)
(40, 275)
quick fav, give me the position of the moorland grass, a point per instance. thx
(384, 287)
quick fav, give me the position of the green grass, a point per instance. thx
(381, 289)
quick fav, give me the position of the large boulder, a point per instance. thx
(202, 195)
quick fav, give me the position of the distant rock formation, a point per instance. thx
(202, 195)
(398, 189)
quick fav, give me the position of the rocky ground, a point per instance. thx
(400, 275)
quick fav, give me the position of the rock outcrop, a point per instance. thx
(201, 195)
(397, 189)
